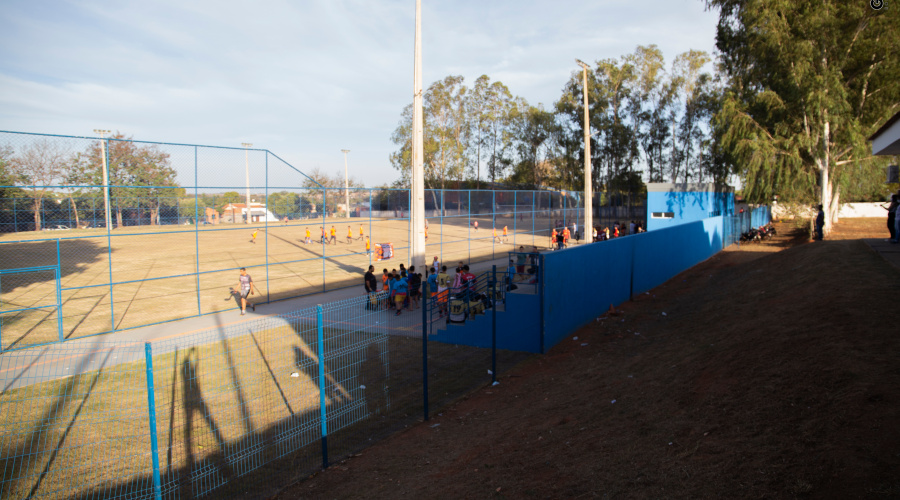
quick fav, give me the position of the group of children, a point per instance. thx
(404, 289)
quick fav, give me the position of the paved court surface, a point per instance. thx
(29, 366)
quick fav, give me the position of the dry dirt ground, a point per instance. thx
(768, 371)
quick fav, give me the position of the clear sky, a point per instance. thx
(303, 79)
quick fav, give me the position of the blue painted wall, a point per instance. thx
(688, 203)
(580, 283)
(518, 327)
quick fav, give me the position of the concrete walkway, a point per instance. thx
(887, 250)
(24, 367)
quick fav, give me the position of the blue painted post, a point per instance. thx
(515, 216)
(442, 227)
(59, 316)
(370, 227)
(493, 221)
(197, 231)
(15, 216)
(425, 357)
(324, 211)
(266, 215)
(494, 324)
(151, 411)
(540, 286)
(112, 311)
(470, 226)
(320, 335)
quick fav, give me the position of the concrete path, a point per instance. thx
(887, 250)
(29, 366)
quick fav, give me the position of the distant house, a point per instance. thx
(237, 213)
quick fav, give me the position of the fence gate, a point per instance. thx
(30, 312)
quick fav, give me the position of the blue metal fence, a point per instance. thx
(241, 409)
(165, 234)
(235, 411)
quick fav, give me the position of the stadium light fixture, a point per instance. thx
(247, 146)
(588, 188)
(103, 133)
(346, 184)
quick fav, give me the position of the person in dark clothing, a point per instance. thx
(371, 287)
(820, 224)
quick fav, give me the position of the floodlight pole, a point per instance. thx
(102, 133)
(417, 184)
(588, 187)
(247, 145)
(346, 184)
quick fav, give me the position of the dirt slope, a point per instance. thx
(771, 371)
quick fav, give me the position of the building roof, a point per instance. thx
(886, 140)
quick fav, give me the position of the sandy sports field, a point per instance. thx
(161, 273)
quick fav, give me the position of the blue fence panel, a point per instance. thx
(74, 422)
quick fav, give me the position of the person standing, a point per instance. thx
(245, 288)
(892, 217)
(415, 283)
(253, 236)
(360, 232)
(435, 265)
(308, 239)
(520, 260)
(368, 246)
(399, 287)
(323, 235)
(333, 238)
(820, 224)
(505, 234)
(371, 285)
(443, 285)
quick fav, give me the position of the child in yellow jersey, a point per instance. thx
(349, 235)
(505, 235)
(253, 236)
(360, 232)
(333, 238)
(308, 240)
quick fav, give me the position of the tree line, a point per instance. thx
(784, 109)
(649, 122)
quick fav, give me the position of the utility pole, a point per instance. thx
(417, 185)
(588, 188)
(346, 184)
(103, 142)
(247, 145)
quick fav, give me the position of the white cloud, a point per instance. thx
(303, 79)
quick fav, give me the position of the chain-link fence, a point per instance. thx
(146, 232)
(235, 411)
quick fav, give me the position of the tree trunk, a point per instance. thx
(154, 213)
(825, 170)
(119, 217)
(37, 214)
(75, 211)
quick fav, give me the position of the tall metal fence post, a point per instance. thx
(540, 286)
(266, 215)
(151, 410)
(320, 335)
(425, 357)
(197, 231)
(59, 313)
(494, 324)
